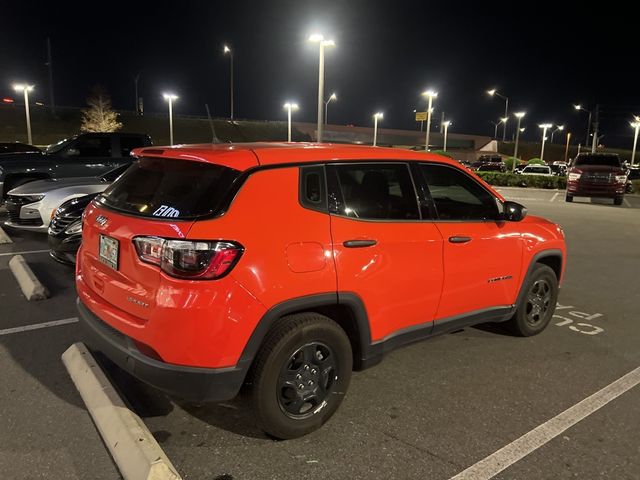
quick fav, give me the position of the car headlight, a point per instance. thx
(32, 198)
(75, 227)
(574, 177)
(621, 178)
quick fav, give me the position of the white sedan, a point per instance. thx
(31, 206)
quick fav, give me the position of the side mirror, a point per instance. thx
(513, 212)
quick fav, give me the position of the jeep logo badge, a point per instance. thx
(101, 220)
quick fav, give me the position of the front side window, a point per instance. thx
(457, 196)
(91, 147)
(377, 191)
(129, 143)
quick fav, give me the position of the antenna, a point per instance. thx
(214, 137)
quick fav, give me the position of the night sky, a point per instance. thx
(544, 56)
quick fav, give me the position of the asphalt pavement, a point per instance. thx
(430, 410)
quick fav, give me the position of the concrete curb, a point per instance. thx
(4, 238)
(131, 444)
(29, 283)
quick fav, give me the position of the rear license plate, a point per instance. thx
(109, 251)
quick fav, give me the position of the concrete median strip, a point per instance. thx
(4, 238)
(131, 444)
(29, 283)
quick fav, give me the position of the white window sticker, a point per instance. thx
(166, 211)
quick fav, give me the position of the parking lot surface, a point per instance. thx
(430, 410)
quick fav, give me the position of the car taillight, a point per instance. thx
(198, 260)
(574, 176)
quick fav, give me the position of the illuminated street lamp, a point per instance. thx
(289, 107)
(579, 107)
(544, 127)
(445, 126)
(636, 126)
(430, 94)
(322, 43)
(376, 116)
(23, 87)
(494, 93)
(228, 50)
(560, 128)
(333, 97)
(170, 97)
(519, 116)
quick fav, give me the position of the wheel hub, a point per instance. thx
(306, 379)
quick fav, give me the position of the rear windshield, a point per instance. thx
(167, 188)
(608, 160)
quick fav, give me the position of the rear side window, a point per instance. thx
(129, 143)
(377, 191)
(457, 196)
(167, 188)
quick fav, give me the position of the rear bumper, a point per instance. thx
(189, 383)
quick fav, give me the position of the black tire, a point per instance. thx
(538, 303)
(618, 200)
(568, 198)
(308, 348)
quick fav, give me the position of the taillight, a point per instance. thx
(197, 260)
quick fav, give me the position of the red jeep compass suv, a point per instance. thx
(286, 266)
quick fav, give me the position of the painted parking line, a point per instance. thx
(626, 202)
(555, 195)
(37, 326)
(536, 438)
(26, 252)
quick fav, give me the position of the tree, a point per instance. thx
(99, 117)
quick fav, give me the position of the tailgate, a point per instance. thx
(128, 283)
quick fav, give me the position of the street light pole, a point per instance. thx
(326, 107)
(544, 128)
(26, 89)
(322, 43)
(228, 50)
(170, 97)
(445, 125)
(376, 116)
(519, 116)
(636, 127)
(494, 92)
(579, 107)
(559, 127)
(566, 148)
(289, 107)
(430, 94)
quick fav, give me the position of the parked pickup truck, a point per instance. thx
(84, 155)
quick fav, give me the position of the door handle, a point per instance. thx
(459, 239)
(359, 243)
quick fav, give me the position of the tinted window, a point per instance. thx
(457, 196)
(536, 169)
(377, 191)
(159, 187)
(93, 147)
(111, 175)
(129, 143)
(608, 160)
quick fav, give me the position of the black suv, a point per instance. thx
(87, 154)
